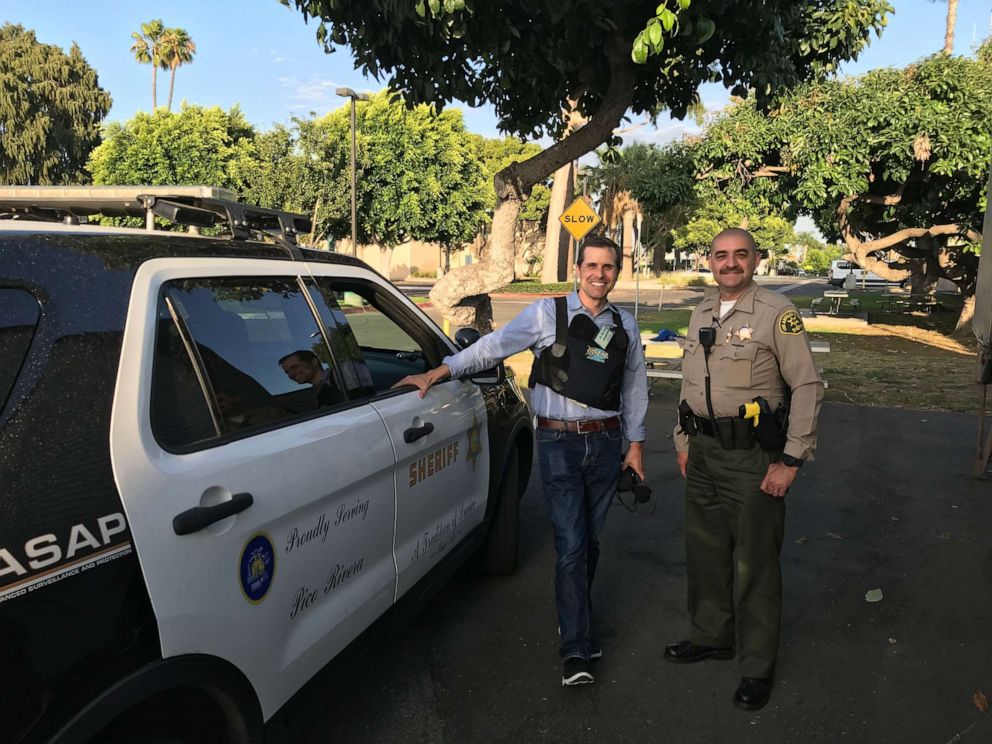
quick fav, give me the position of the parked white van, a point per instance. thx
(840, 269)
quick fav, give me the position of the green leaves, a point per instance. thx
(706, 28)
(654, 32)
(195, 146)
(51, 108)
(651, 40)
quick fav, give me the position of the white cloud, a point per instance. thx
(313, 91)
(660, 135)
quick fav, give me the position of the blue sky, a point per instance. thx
(260, 54)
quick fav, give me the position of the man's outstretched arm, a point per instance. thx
(425, 380)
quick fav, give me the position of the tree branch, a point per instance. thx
(770, 171)
(863, 250)
(516, 180)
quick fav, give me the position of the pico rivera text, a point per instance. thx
(340, 574)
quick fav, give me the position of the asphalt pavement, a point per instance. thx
(888, 505)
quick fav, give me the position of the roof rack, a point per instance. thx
(194, 206)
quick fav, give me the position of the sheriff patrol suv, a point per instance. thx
(191, 527)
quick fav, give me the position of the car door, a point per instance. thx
(439, 442)
(206, 423)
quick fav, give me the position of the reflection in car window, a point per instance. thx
(259, 352)
(391, 341)
(18, 318)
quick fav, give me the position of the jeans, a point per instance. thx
(579, 473)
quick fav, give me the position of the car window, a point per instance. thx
(19, 314)
(391, 340)
(237, 354)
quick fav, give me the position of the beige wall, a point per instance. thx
(419, 257)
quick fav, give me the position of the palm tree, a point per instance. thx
(620, 211)
(147, 49)
(177, 50)
(952, 17)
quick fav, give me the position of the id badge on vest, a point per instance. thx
(604, 337)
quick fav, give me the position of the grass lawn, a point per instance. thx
(898, 361)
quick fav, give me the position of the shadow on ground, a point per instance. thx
(887, 505)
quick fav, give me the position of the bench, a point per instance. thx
(892, 304)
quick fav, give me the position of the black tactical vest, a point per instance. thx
(579, 367)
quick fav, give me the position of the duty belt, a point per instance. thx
(587, 426)
(731, 431)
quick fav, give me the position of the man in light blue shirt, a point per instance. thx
(589, 387)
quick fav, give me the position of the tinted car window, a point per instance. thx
(252, 356)
(19, 314)
(393, 342)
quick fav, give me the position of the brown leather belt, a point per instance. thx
(588, 426)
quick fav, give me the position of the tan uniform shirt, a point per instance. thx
(761, 349)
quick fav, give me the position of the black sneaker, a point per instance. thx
(576, 672)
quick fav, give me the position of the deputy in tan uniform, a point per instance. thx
(744, 342)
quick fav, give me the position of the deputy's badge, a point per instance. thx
(730, 335)
(744, 333)
(791, 323)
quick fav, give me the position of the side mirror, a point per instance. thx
(494, 376)
(465, 337)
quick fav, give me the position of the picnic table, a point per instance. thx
(834, 299)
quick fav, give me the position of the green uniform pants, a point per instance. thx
(730, 523)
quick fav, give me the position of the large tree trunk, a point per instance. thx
(952, 17)
(154, 86)
(556, 240)
(462, 295)
(963, 325)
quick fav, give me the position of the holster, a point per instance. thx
(770, 432)
(687, 419)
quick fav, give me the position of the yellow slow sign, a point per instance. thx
(579, 218)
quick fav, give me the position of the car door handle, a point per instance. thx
(416, 432)
(195, 519)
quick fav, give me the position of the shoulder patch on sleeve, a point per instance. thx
(790, 323)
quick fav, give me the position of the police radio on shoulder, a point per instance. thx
(792, 462)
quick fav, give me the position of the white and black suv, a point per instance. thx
(187, 534)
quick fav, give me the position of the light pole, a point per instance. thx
(349, 93)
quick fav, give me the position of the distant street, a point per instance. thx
(650, 295)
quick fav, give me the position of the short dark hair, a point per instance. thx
(598, 241)
(304, 354)
(739, 232)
